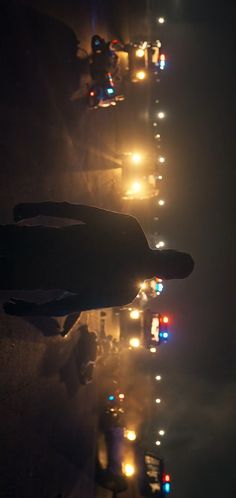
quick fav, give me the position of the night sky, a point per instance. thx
(198, 94)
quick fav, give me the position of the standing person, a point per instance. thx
(98, 262)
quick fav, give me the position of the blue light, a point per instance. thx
(111, 397)
(159, 287)
(160, 334)
(165, 335)
(110, 91)
(166, 487)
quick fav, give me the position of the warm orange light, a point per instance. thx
(167, 478)
(121, 396)
(165, 319)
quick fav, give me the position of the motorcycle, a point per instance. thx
(104, 71)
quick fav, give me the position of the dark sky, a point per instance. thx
(198, 94)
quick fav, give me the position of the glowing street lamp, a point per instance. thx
(161, 115)
(161, 159)
(154, 124)
(160, 177)
(158, 401)
(158, 443)
(161, 432)
(158, 377)
(157, 136)
(161, 202)
(161, 20)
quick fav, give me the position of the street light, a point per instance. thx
(160, 177)
(158, 377)
(157, 136)
(161, 115)
(161, 202)
(161, 159)
(154, 124)
(161, 432)
(161, 20)
(158, 401)
(153, 350)
(158, 443)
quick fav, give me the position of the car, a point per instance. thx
(144, 59)
(142, 327)
(153, 482)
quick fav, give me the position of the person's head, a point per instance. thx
(169, 263)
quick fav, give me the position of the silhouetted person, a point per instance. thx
(99, 261)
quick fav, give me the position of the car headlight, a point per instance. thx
(134, 342)
(141, 75)
(135, 314)
(139, 52)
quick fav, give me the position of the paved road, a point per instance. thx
(53, 148)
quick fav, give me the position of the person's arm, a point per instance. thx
(80, 212)
(58, 307)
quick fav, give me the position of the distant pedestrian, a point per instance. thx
(99, 262)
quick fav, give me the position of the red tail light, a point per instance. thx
(166, 478)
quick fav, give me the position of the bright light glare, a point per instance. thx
(129, 469)
(154, 124)
(130, 435)
(161, 202)
(161, 432)
(160, 244)
(139, 52)
(136, 187)
(134, 342)
(158, 377)
(158, 443)
(121, 396)
(153, 350)
(135, 314)
(160, 177)
(165, 319)
(143, 285)
(158, 401)
(161, 20)
(161, 115)
(136, 158)
(161, 159)
(157, 136)
(141, 75)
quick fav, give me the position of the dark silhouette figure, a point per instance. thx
(98, 262)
